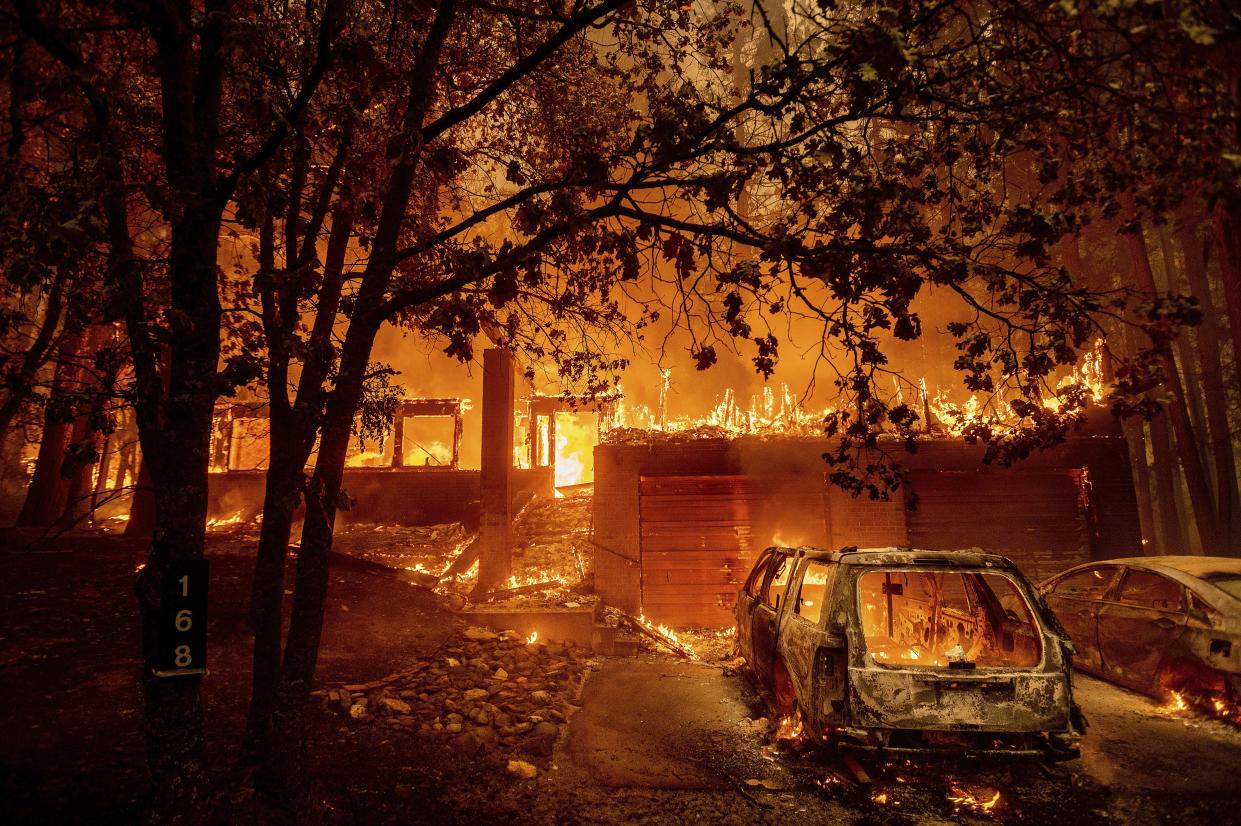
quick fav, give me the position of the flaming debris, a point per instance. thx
(790, 729)
(980, 800)
(224, 522)
(533, 638)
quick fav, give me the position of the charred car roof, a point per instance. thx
(905, 556)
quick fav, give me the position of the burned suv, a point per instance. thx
(910, 650)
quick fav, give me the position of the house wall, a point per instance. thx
(405, 496)
(793, 473)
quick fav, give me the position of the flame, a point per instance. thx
(537, 577)
(1175, 704)
(1086, 377)
(766, 412)
(665, 632)
(224, 522)
(980, 800)
(369, 458)
(141, 565)
(790, 728)
(533, 638)
(575, 443)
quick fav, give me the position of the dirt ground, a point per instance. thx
(657, 740)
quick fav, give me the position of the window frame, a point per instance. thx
(1108, 589)
(1119, 591)
(832, 569)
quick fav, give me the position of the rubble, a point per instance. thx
(522, 769)
(485, 693)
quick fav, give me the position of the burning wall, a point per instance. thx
(678, 522)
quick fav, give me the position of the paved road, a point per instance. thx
(660, 741)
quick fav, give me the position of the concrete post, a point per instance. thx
(495, 545)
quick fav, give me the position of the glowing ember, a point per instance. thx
(537, 577)
(533, 638)
(978, 800)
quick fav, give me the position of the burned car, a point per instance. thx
(1157, 624)
(910, 650)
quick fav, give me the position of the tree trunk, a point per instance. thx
(283, 485)
(1186, 443)
(1210, 347)
(142, 505)
(176, 439)
(101, 477)
(288, 774)
(1226, 225)
(48, 491)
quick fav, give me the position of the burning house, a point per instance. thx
(679, 521)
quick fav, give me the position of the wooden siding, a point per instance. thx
(1036, 517)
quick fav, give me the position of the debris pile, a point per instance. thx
(487, 692)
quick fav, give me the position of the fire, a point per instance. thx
(536, 577)
(1175, 704)
(767, 412)
(224, 522)
(575, 443)
(1087, 376)
(979, 800)
(665, 632)
(369, 458)
(790, 728)
(533, 638)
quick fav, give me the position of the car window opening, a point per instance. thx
(944, 619)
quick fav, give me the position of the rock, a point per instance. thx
(453, 718)
(523, 727)
(503, 720)
(500, 674)
(394, 705)
(541, 697)
(453, 663)
(475, 694)
(358, 711)
(488, 737)
(453, 728)
(760, 725)
(468, 744)
(542, 740)
(522, 769)
(477, 634)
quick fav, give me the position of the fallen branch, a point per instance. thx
(677, 647)
(505, 593)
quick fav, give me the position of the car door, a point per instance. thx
(802, 630)
(747, 598)
(766, 613)
(1138, 625)
(1076, 600)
